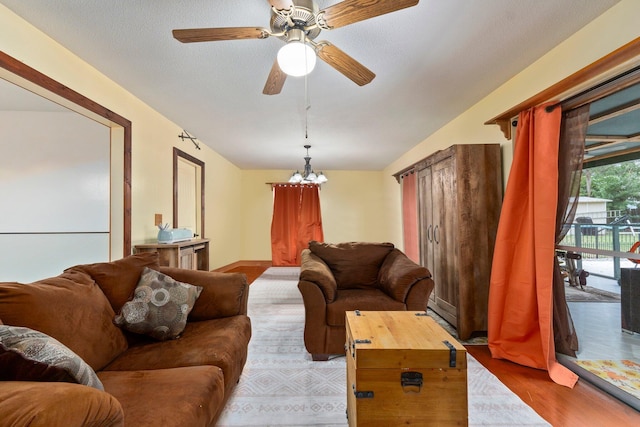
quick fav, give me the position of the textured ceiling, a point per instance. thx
(432, 61)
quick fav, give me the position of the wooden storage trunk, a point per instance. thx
(403, 369)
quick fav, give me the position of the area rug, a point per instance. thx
(589, 294)
(480, 339)
(623, 374)
(282, 386)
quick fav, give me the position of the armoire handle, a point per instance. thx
(435, 234)
(429, 233)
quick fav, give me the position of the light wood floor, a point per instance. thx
(583, 406)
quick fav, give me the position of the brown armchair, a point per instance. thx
(336, 278)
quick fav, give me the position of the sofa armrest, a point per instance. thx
(315, 315)
(398, 274)
(223, 294)
(313, 269)
(57, 404)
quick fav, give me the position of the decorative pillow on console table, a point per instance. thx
(160, 306)
(28, 355)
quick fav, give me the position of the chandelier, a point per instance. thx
(308, 176)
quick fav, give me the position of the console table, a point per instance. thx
(191, 254)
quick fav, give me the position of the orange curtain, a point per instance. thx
(410, 217)
(521, 291)
(296, 220)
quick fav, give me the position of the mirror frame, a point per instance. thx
(58, 90)
(188, 157)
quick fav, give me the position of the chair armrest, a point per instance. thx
(313, 269)
(398, 274)
(223, 294)
(418, 296)
(57, 404)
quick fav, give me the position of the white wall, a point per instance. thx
(54, 179)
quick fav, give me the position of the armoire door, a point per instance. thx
(444, 208)
(425, 217)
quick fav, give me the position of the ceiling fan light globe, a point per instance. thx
(296, 59)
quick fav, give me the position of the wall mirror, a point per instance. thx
(188, 192)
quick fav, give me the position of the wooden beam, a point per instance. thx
(616, 58)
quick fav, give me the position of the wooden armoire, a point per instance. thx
(459, 201)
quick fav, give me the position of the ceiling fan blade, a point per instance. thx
(342, 62)
(281, 4)
(275, 81)
(217, 34)
(351, 11)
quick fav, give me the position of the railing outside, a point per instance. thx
(610, 237)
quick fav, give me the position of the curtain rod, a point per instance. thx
(273, 184)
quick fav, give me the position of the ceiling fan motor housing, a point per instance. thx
(302, 15)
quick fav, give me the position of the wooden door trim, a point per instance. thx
(604, 65)
(56, 88)
(177, 153)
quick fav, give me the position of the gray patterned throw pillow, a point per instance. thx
(28, 355)
(160, 306)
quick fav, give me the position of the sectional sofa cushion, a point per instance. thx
(223, 294)
(119, 278)
(66, 304)
(43, 404)
(28, 355)
(216, 342)
(160, 306)
(176, 397)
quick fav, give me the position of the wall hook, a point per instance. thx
(185, 135)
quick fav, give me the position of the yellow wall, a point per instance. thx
(238, 204)
(356, 205)
(613, 29)
(153, 139)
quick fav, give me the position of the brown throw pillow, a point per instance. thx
(354, 264)
(160, 306)
(28, 355)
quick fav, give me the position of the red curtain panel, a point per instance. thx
(521, 291)
(410, 217)
(296, 220)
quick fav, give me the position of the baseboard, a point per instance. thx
(245, 263)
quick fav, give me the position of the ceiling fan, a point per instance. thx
(298, 23)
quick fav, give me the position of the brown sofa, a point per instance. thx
(335, 278)
(105, 375)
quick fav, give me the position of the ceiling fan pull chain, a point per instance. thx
(306, 96)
